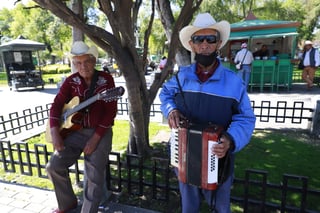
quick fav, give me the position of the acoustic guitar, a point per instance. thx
(71, 119)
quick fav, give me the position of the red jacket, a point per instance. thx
(99, 115)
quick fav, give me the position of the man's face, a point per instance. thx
(308, 46)
(203, 41)
(84, 64)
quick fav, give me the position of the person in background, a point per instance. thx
(263, 52)
(163, 62)
(245, 57)
(92, 135)
(310, 61)
(205, 93)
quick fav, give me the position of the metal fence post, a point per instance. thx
(316, 121)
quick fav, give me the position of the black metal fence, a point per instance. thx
(19, 126)
(269, 114)
(284, 114)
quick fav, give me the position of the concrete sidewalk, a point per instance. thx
(16, 198)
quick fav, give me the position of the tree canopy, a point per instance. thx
(43, 26)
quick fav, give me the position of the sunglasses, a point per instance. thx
(198, 39)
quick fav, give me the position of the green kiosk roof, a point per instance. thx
(252, 27)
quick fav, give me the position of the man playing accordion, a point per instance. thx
(207, 93)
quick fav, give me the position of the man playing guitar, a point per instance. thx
(90, 134)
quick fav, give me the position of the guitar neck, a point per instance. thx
(80, 106)
(106, 95)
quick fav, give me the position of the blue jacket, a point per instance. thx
(221, 100)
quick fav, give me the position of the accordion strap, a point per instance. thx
(182, 93)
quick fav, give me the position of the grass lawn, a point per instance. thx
(3, 79)
(279, 152)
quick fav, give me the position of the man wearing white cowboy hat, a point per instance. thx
(91, 132)
(206, 93)
(310, 62)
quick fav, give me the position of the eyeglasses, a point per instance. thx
(78, 63)
(198, 39)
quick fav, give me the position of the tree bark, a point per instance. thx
(77, 8)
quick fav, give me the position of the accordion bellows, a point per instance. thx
(191, 154)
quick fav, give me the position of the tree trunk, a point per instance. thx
(139, 111)
(77, 8)
(172, 27)
(77, 34)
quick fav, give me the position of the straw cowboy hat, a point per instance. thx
(204, 21)
(308, 42)
(80, 48)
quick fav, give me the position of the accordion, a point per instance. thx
(191, 153)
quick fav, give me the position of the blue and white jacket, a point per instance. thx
(221, 100)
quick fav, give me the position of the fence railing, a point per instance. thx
(270, 114)
(136, 175)
(19, 126)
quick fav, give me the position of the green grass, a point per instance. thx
(3, 79)
(56, 77)
(45, 77)
(281, 152)
(62, 70)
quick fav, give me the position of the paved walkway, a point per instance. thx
(16, 198)
(23, 199)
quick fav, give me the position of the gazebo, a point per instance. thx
(22, 43)
(18, 62)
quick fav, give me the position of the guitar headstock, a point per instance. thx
(111, 94)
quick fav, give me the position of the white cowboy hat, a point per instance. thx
(80, 48)
(204, 21)
(308, 42)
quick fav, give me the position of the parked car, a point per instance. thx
(111, 68)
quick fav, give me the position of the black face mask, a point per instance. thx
(206, 60)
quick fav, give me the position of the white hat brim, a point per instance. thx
(223, 27)
(79, 48)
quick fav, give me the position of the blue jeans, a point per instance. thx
(244, 74)
(191, 196)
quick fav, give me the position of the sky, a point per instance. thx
(9, 3)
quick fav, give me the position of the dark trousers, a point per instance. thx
(95, 167)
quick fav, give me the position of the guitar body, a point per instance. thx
(72, 122)
(71, 118)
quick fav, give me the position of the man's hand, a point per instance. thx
(174, 119)
(222, 148)
(91, 144)
(57, 140)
